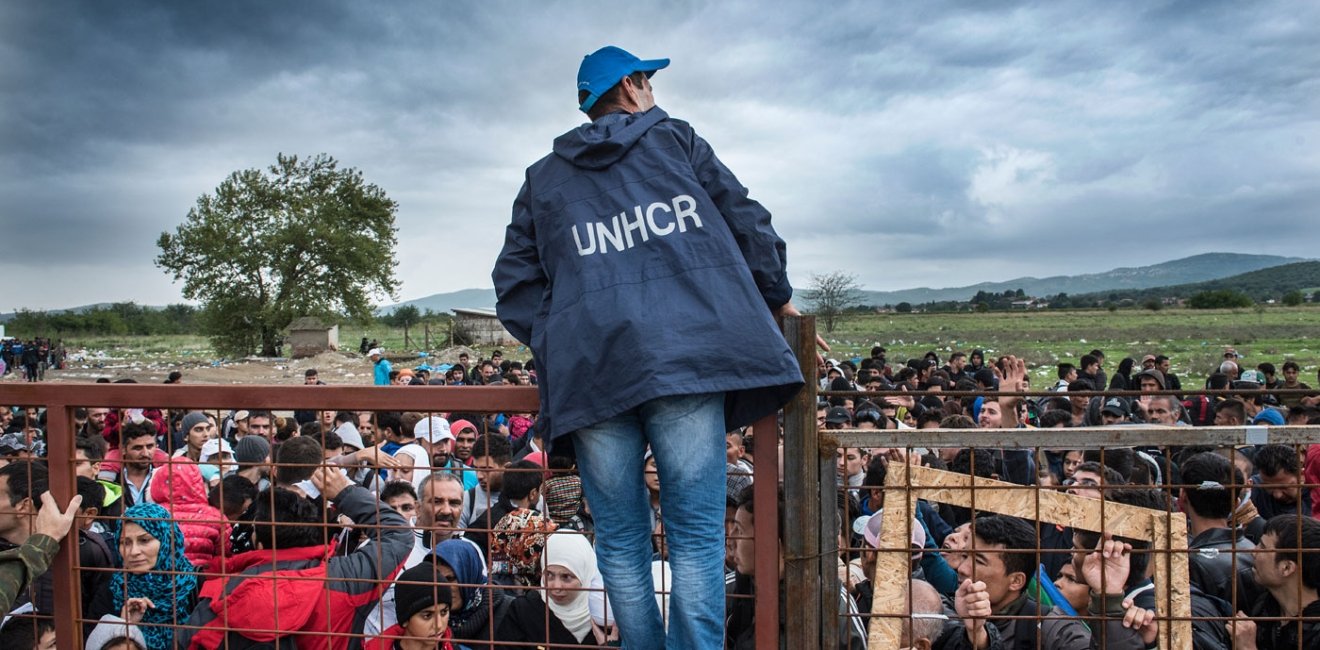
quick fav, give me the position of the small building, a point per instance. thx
(484, 326)
(308, 337)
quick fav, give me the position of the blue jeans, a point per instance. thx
(686, 434)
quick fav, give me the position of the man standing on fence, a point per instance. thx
(646, 283)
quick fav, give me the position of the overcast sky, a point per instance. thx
(910, 143)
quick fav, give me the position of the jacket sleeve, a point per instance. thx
(954, 637)
(1116, 637)
(520, 280)
(368, 568)
(852, 630)
(22, 565)
(762, 248)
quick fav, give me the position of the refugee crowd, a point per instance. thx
(31, 358)
(326, 529)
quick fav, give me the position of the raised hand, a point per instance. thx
(330, 481)
(972, 602)
(51, 521)
(134, 609)
(1142, 620)
(1243, 631)
(1106, 569)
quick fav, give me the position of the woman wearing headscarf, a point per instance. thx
(478, 611)
(563, 615)
(157, 582)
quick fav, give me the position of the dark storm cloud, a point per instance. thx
(887, 138)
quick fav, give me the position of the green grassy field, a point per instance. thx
(1193, 339)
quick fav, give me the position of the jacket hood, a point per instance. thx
(599, 144)
(178, 483)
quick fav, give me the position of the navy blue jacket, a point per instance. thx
(636, 267)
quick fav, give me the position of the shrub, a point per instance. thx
(1220, 299)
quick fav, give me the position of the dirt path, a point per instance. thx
(335, 368)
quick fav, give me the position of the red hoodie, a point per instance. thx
(178, 486)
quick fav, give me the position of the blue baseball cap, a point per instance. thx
(605, 67)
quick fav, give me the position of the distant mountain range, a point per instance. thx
(1179, 277)
(441, 303)
(1198, 268)
(1266, 284)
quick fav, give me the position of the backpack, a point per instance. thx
(1200, 410)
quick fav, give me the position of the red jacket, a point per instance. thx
(387, 638)
(306, 594)
(178, 486)
(1311, 474)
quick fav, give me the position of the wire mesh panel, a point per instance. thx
(425, 515)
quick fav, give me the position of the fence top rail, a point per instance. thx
(1219, 392)
(1126, 435)
(250, 396)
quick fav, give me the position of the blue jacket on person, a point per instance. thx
(636, 267)
(381, 372)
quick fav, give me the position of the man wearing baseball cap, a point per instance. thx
(633, 256)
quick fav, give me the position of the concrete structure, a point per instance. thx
(308, 337)
(483, 326)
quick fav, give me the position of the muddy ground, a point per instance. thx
(335, 368)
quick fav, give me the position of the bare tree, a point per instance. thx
(830, 294)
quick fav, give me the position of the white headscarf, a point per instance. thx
(421, 463)
(573, 552)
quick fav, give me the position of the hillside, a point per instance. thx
(441, 303)
(1188, 270)
(1262, 285)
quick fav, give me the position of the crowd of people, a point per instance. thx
(31, 358)
(1254, 561)
(388, 529)
(457, 530)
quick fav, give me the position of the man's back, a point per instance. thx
(648, 239)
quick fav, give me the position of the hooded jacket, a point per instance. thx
(636, 267)
(179, 487)
(308, 593)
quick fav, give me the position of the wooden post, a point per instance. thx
(803, 486)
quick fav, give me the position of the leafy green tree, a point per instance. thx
(832, 293)
(300, 238)
(1293, 298)
(1220, 299)
(903, 308)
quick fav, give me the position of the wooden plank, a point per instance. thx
(1172, 580)
(1056, 507)
(889, 596)
(905, 483)
(1180, 588)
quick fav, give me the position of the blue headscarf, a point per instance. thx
(171, 593)
(462, 556)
